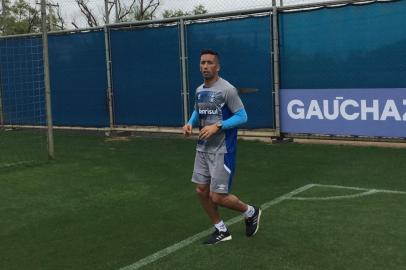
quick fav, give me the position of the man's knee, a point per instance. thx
(203, 191)
(217, 198)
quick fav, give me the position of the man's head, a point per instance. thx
(209, 64)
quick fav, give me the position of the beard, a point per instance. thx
(208, 75)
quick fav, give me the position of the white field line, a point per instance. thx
(288, 196)
(364, 189)
(365, 192)
(171, 249)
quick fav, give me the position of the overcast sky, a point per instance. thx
(215, 5)
(70, 10)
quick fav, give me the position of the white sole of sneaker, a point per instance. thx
(258, 221)
(225, 239)
(222, 240)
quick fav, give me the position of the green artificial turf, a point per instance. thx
(106, 205)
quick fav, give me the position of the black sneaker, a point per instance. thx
(252, 223)
(217, 237)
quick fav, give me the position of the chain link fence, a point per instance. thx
(23, 16)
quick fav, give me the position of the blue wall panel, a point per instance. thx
(21, 81)
(360, 46)
(351, 54)
(146, 77)
(244, 48)
(78, 79)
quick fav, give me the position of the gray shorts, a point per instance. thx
(216, 169)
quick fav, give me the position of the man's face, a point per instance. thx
(209, 66)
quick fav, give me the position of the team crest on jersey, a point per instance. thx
(212, 97)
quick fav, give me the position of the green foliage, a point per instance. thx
(170, 13)
(3, 7)
(21, 18)
(199, 9)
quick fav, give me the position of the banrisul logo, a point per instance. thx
(348, 109)
(208, 111)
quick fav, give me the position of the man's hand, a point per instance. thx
(208, 131)
(187, 130)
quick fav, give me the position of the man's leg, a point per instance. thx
(203, 193)
(252, 213)
(229, 201)
(222, 168)
(201, 177)
(221, 233)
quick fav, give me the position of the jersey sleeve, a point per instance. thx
(233, 100)
(194, 119)
(240, 117)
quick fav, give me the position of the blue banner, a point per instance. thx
(357, 112)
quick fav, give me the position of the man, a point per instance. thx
(218, 112)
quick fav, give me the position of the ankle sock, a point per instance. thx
(250, 211)
(221, 226)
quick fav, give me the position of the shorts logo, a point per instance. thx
(221, 187)
(227, 168)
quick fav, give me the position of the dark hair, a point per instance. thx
(209, 51)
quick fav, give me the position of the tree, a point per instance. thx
(122, 10)
(22, 18)
(134, 10)
(199, 9)
(145, 10)
(91, 19)
(170, 13)
(4, 7)
(59, 22)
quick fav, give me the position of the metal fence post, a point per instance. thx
(51, 153)
(183, 59)
(3, 5)
(109, 72)
(275, 60)
(106, 11)
(1, 106)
